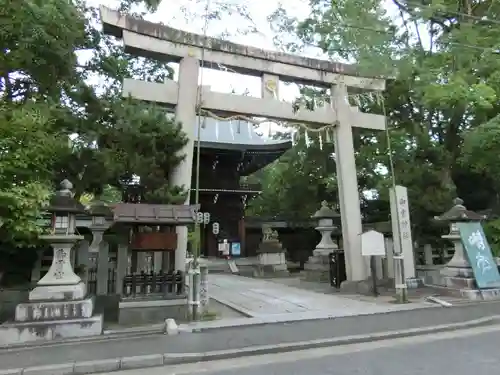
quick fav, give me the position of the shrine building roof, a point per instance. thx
(236, 135)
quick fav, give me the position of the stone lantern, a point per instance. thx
(61, 282)
(458, 213)
(325, 216)
(57, 307)
(317, 267)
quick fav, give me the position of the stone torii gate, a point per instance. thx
(156, 41)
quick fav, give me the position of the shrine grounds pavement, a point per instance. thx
(157, 349)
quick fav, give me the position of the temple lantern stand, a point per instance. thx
(318, 266)
(57, 307)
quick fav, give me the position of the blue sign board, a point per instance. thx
(479, 253)
(235, 249)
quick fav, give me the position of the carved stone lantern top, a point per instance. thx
(99, 208)
(325, 212)
(459, 213)
(63, 202)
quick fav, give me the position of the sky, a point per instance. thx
(258, 10)
(188, 15)
(221, 81)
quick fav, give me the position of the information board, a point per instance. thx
(235, 249)
(372, 244)
(479, 254)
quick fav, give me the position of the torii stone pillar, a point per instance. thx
(145, 39)
(185, 113)
(347, 180)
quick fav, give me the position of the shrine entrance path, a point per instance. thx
(272, 301)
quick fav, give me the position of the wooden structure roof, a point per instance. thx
(154, 214)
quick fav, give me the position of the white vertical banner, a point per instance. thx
(401, 228)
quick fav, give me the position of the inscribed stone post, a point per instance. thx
(401, 228)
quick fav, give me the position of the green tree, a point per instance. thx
(52, 55)
(294, 185)
(27, 150)
(443, 55)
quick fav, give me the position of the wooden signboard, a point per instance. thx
(479, 254)
(154, 241)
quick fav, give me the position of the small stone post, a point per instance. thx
(317, 267)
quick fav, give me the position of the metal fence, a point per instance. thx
(92, 281)
(168, 285)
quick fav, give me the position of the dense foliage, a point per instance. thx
(62, 114)
(442, 105)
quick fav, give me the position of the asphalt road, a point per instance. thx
(465, 352)
(243, 337)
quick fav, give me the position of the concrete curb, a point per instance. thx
(158, 329)
(245, 312)
(155, 360)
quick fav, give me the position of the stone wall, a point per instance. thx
(9, 299)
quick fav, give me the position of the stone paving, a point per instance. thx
(267, 299)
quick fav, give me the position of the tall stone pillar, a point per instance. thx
(101, 221)
(103, 268)
(350, 212)
(401, 229)
(185, 113)
(121, 266)
(389, 250)
(83, 259)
